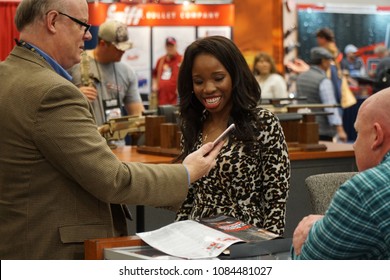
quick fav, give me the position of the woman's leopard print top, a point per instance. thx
(252, 187)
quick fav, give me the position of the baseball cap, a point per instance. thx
(116, 33)
(170, 41)
(320, 53)
(350, 49)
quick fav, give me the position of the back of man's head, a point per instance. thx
(379, 104)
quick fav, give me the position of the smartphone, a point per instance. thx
(224, 134)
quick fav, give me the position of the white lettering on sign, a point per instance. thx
(160, 15)
(131, 14)
(199, 15)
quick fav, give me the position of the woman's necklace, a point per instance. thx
(206, 134)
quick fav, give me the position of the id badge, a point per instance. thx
(112, 108)
(167, 73)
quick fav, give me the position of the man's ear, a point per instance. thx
(379, 136)
(50, 21)
(103, 43)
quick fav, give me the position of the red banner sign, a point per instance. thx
(163, 15)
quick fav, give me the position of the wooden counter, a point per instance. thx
(130, 154)
(334, 150)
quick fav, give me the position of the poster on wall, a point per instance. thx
(205, 31)
(138, 57)
(183, 35)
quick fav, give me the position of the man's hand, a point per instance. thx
(302, 230)
(298, 66)
(89, 92)
(200, 162)
(342, 135)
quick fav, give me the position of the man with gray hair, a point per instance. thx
(60, 182)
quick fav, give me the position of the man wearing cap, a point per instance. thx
(317, 88)
(352, 65)
(165, 74)
(108, 83)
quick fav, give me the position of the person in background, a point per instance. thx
(343, 94)
(251, 181)
(357, 222)
(326, 39)
(165, 74)
(272, 84)
(60, 182)
(381, 51)
(382, 72)
(112, 84)
(352, 65)
(317, 88)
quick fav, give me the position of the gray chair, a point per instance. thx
(169, 111)
(321, 188)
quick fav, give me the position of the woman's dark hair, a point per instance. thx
(246, 91)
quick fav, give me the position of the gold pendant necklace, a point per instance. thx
(206, 134)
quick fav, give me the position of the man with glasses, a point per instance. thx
(60, 183)
(110, 84)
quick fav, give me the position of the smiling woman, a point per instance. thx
(251, 179)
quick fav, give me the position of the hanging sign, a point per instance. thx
(163, 15)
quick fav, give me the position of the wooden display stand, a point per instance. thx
(306, 131)
(308, 138)
(301, 131)
(94, 248)
(161, 138)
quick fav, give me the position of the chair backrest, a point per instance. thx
(169, 111)
(322, 187)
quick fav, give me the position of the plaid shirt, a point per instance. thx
(357, 222)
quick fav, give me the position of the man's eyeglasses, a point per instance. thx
(86, 25)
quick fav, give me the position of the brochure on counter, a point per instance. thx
(208, 238)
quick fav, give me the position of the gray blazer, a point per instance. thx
(57, 174)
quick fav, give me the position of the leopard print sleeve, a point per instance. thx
(276, 172)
